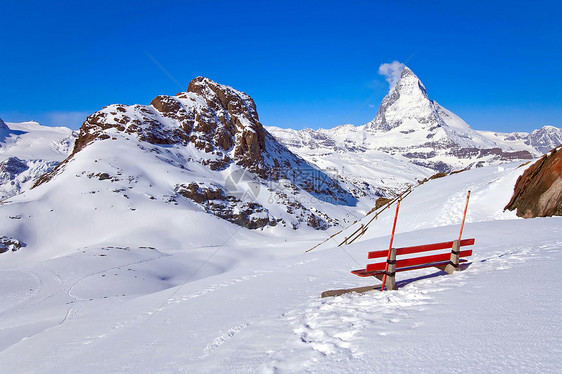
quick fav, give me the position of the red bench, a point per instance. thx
(448, 261)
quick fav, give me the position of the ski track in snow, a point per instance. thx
(221, 339)
(218, 286)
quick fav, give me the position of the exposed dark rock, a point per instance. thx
(381, 201)
(215, 201)
(498, 152)
(10, 244)
(438, 175)
(12, 167)
(538, 191)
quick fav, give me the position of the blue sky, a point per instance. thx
(314, 64)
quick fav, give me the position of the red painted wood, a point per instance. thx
(433, 264)
(464, 214)
(421, 248)
(417, 261)
(365, 273)
(377, 266)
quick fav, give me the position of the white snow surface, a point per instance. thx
(165, 289)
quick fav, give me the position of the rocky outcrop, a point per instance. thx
(216, 201)
(215, 118)
(538, 191)
(10, 244)
(3, 125)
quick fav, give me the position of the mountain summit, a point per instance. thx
(407, 112)
(406, 102)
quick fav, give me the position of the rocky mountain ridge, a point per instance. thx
(222, 154)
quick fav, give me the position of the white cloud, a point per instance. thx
(391, 72)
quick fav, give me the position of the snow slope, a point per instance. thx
(231, 300)
(29, 150)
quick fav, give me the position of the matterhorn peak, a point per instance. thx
(406, 104)
(3, 125)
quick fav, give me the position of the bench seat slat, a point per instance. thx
(365, 273)
(417, 261)
(420, 248)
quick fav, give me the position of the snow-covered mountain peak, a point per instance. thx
(406, 106)
(410, 82)
(3, 125)
(545, 138)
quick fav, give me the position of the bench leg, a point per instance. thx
(391, 272)
(454, 260)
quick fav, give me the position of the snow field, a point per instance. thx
(172, 297)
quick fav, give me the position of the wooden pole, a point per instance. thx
(390, 246)
(464, 214)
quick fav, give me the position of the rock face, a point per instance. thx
(12, 167)
(216, 119)
(3, 126)
(538, 192)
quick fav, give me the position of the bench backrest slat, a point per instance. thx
(417, 261)
(420, 248)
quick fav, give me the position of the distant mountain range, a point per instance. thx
(29, 150)
(205, 151)
(411, 137)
